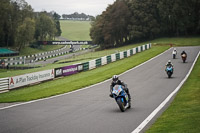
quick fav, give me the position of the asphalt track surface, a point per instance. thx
(91, 110)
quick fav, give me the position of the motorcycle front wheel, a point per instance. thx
(169, 74)
(120, 104)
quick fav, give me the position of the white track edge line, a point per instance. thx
(82, 88)
(150, 117)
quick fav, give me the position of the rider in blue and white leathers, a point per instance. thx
(169, 64)
(116, 81)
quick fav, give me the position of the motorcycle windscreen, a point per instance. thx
(169, 68)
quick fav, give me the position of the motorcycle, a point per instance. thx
(174, 56)
(121, 97)
(184, 56)
(169, 71)
(174, 53)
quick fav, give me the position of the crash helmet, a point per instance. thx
(169, 61)
(115, 78)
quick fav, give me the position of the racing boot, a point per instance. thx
(129, 97)
(111, 95)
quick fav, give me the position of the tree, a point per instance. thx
(5, 11)
(144, 19)
(56, 18)
(25, 32)
(96, 31)
(45, 28)
(110, 28)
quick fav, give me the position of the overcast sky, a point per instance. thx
(89, 7)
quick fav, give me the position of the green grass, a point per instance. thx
(179, 41)
(30, 51)
(78, 81)
(76, 30)
(183, 115)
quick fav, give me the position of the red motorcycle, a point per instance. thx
(184, 56)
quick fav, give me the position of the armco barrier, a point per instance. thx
(4, 84)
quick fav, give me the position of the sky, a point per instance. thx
(89, 7)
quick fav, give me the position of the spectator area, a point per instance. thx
(4, 52)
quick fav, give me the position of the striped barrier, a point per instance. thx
(113, 57)
(21, 60)
(4, 84)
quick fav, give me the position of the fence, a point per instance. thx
(26, 79)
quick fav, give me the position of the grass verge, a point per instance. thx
(183, 115)
(80, 80)
(76, 30)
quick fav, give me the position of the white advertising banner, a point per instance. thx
(26, 79)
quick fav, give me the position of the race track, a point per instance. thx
(91, 110)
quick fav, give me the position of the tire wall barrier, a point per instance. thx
(37, 77)
(35, 57)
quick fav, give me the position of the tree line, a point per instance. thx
(19, 25)
(128, 21)
(77, 16)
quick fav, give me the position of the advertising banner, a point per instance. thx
(26, 79)
(65, 42)
(68, 70)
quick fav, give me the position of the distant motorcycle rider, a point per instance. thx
(116, 81)
(169, 64)
(184, 53)
(174, 53)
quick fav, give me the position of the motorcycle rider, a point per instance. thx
(174, 53)
(116, 81)
(184, 53)
(169, 64)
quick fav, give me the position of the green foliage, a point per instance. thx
(128, 21)
(110, 29)
(45, 28)
(19, 25)
(25, 33)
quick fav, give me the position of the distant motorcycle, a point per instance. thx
(174, 56)
(184, 56)
(174, 53)
(169, 71)
(121, 97)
